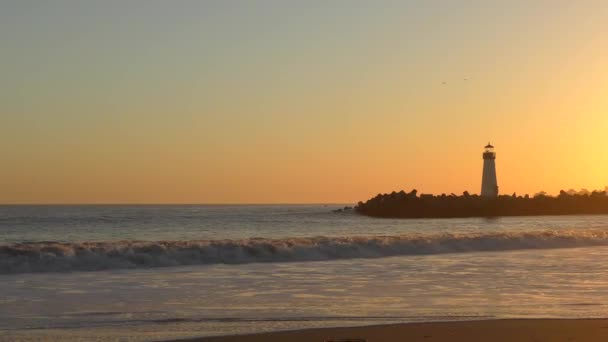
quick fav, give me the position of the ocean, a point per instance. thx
(165, 272)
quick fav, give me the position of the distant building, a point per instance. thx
(489, 185)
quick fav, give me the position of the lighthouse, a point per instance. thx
(489, 185)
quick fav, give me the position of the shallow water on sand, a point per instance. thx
(484, 269)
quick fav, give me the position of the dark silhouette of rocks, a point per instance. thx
(409, 205)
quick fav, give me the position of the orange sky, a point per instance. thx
(213, 103)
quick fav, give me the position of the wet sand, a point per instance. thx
(533, 330)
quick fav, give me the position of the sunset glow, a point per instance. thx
(283, 102)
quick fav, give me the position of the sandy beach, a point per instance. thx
(534, 330)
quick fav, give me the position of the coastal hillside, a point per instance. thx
(411, 205)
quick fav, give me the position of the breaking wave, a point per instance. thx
(94, 256)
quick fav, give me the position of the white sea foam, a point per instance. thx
(93, 256)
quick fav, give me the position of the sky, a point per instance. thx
(148, 101)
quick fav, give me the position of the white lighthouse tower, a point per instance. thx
(489, 185)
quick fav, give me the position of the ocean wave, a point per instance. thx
(94, 256)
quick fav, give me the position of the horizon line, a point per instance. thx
(175, 204)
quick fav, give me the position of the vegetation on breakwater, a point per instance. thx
(410, 205)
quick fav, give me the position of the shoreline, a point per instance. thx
(496, 330)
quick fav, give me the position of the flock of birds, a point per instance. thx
(444, 82)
